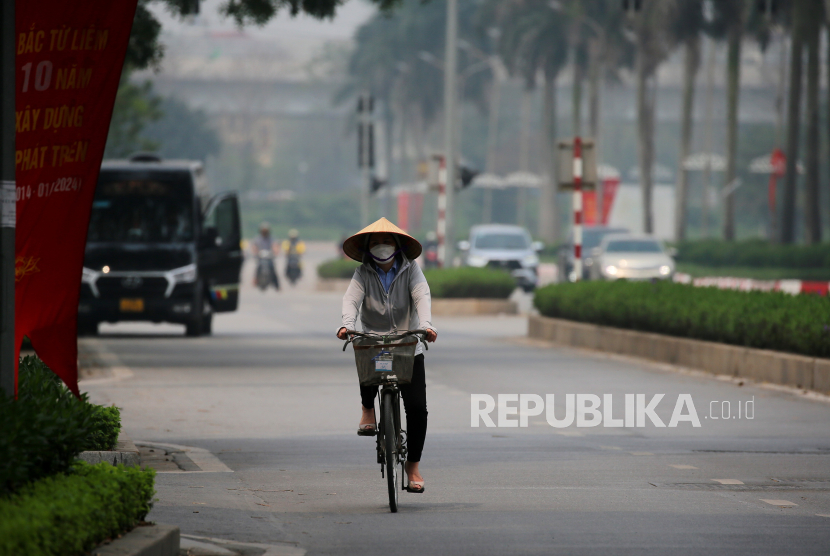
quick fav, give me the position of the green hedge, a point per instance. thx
(767, 320)
(68, 514)
(337, 268)
(753, 253)
(470, 282)
(47, 426)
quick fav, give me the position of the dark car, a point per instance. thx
(591, 237)
(159, 247)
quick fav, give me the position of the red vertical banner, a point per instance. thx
(609, 193)
(403, 210)
(69, 57)
(589, 208)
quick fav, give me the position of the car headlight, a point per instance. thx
(88, 276)
(184, 274)
(665, 270)
(475, 260)
(611, 270)
(530, 260)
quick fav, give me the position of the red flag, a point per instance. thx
(69, 60)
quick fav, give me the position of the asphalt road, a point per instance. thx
(271, 404)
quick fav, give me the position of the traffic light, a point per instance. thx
(365, 132)
(377, 183)
(467, 175)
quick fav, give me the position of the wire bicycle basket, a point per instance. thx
(388, 358)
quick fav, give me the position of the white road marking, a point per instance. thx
(609, 448)
(211, 544)
(204, 460)
(778, 502)
(823, 515)
(679, 466)
(641, 453)
(728, 481)
(569, 433)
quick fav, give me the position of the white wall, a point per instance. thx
(627, 210)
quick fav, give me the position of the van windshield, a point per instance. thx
(501, 241)
(142, 207)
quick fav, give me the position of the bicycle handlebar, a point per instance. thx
(402, 333)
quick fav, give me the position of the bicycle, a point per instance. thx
(386, 361)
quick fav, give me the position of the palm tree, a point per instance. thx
(533, 38)
(653, 41)
(812, 215)
(687, 29)
(797, 29)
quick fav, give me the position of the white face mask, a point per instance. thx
(382, 253)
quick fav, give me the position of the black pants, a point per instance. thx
(415, 404)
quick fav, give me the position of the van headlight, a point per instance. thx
(665, 270)
(611, 270)
(530, 260)
(476, 260)
(184, 274)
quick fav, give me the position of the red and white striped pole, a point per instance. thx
(577, 209)
(442, 210)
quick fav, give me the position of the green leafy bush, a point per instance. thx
(466, 282)
(47, 427)
(753, 253)
(69, 513)
(337, 268)
(766, 320)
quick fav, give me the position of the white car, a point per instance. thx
(504, 247)
(624, 256)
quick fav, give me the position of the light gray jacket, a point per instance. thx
(405, 307)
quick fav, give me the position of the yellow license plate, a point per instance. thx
(132, 305)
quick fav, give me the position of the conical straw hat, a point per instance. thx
(354, 246)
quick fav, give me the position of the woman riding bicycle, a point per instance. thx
(390, 293)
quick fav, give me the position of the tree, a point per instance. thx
(797, 30)
(730, 17)
(812, 30)
(534, 38)
(182, 132)
(651, 27)
(136, 106)
(687, 29)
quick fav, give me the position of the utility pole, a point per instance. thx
(450, 99)
(9, 198)
(365, 151)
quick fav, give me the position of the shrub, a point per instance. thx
(470, 282)
(47, 427)
(766, 320)
(753, 253)
(337, 268)
(70, 513)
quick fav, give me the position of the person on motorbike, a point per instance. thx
(390, 293)
(265, 251)
(294, 248)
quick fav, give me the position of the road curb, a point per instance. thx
(473, 306)
(761, 365)
(125, 453)
(153, 540)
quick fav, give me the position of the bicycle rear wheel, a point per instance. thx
(390, 448)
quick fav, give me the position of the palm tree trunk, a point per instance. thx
(812, 217)
(645, 136)
(793, 128)
(733, 68)
(492, 140)
(692, 63)
(524, 152)
(548, 216)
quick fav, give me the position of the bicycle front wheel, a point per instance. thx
(390, 448)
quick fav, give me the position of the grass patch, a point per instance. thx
(69, 513)
(765, 320)
(468, 282)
